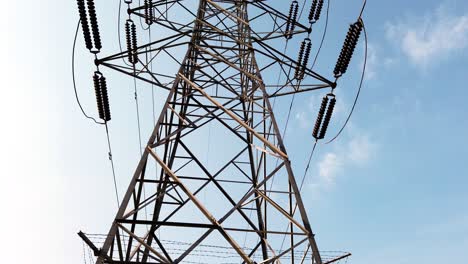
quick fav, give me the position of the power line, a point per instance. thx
(89, 117)
(112, 165)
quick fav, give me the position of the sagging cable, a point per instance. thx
(324, 116)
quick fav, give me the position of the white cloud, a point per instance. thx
(360, 150)
(430, 38)
(301, 117)
(329, 167)
(357, 152)
(372, 62)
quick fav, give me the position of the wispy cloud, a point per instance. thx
(357, 152)
(360, 149)
(428, 39)
(329, 166)
(372, 62)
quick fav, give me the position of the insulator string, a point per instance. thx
(318, 11)
(134, 43)
(349, 45)
(98, 92)
(105, 99)
(102, 98)
(312, 11)
(360, 85)
(94, 25)
(306, 58)
(85, 24)
(148, 12)
(318, 123)
(327, 119)
(128, 37)
(74, 79)
(292, 19)
(119, 33)
(299, 59)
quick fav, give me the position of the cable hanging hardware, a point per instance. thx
(90, 27)
(102, 98)
(292, 19)
(324, 116)
(131, 37)
(303, 58)
(149, 12)
(349, 46)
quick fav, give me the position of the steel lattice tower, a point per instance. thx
(246, 207)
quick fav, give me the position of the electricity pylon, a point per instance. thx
(242, 204)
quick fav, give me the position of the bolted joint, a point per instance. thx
(97, 62)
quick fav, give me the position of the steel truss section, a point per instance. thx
(247, 205)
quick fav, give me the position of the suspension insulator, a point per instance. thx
(292, 19)
(105, 99)
(149, 12)
(312, 10)
(321, 113)
(102, 98)
(321, 125)
(306, 58)
(134, 43)
(128, 1)
(94, 25)
(349, 46)
(327, 119)
(97, 89)
(318, 11)
(299, 59)
(128, 37)
(84, 24)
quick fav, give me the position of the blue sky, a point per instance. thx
(391, 189)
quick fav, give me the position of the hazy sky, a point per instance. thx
(392, 189)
